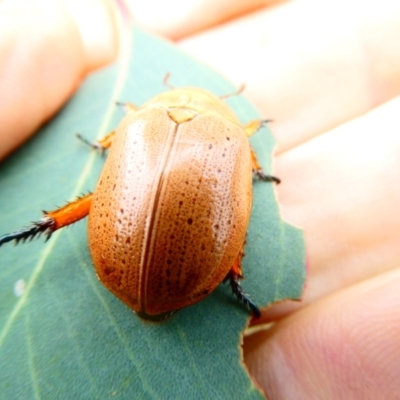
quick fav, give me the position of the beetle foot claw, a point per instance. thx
(45, 226)
(262, 176)
(243, 297)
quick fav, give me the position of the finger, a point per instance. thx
(45, 50)
(341, 188)
(343, 347)
(96, 22)
(309, 65)
(178, 18)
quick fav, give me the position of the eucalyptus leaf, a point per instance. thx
(62, 334)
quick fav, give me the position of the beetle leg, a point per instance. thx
(234, 275)
(126, 106)
(258, 171)
(102, 144)
(251, 128)
(52, 220)
(105, 143)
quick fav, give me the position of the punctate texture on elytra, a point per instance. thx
(171, 209)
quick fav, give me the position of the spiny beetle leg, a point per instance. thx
(52, 220)
(251, 128)
(126, 106)
(234, 275)
(45, 225)
(102, 144)
(258, 171)
(105, 143)
(238, 292)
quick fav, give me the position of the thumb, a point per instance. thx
(46, 48)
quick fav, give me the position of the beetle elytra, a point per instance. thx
(169, 215)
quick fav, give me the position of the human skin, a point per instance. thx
(327, 74)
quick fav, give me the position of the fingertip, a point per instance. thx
(96, 23)
(344, 346)
(45, 51)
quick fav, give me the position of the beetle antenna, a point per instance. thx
(45, 225)
(243, 297)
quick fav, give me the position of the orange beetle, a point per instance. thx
(168, 218)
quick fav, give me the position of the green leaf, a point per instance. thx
(66, 336)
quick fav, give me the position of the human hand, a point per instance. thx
(327, 74)
(46, 49)
(319, 70)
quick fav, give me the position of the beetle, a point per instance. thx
(169, 216)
